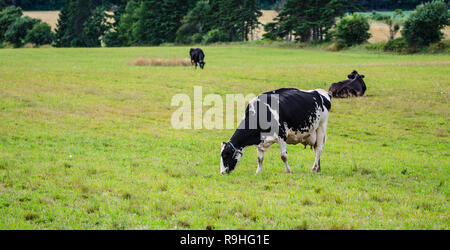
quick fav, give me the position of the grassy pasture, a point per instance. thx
(86, 143)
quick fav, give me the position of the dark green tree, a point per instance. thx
(95, 27)
(17, 31)
(158, 20)
(7, 17)
(73, 23)
(424, 26)
(61, 38)
(195, 22)
(124, 29)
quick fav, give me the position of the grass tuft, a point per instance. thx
(142, 61)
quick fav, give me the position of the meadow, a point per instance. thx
(86, 142)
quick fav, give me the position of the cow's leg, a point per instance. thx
(260, 159)
(263, 147)
(283, 153)
(318, 147)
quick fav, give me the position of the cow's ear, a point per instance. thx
(362, 76)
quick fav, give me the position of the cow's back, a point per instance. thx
(299, 109)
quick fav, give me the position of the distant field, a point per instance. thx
(50, 17)
(86, 142)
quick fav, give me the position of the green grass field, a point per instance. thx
(86, 143)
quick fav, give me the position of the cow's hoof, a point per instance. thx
(316, 170)
(289, 171)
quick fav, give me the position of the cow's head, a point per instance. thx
(202, 64)
(229, 157)
(355, 75)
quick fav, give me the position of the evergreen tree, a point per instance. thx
(7, 17)
(195, 22)
(124, 27)
(158, 20)
(73, 23)
(61, 39)
(95, 27)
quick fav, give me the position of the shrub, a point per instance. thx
(352, 30)
(423, 27)
(376, 46)
(196, 38)
(397, 45)
(112, 39)
(40, 34)
(214, 36)
(18, 30)
(440, 47)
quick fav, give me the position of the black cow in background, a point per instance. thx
(354, 86)
(197, 57)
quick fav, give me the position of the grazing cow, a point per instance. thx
(197, 57)
(295, 116)
(354, 86)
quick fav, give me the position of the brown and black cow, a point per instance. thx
(354, 86)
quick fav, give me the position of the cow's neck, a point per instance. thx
(245, 137)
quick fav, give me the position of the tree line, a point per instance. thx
(86, 23)
(94, 23)
(368, 5)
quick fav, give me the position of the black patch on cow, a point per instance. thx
(327, 103)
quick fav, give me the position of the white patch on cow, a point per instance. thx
(251, 105)
(223, 170)
(222, 167)
(238, 157)
(320, 91)
(323, 93)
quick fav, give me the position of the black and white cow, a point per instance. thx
(197, 57)
(295, 116)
